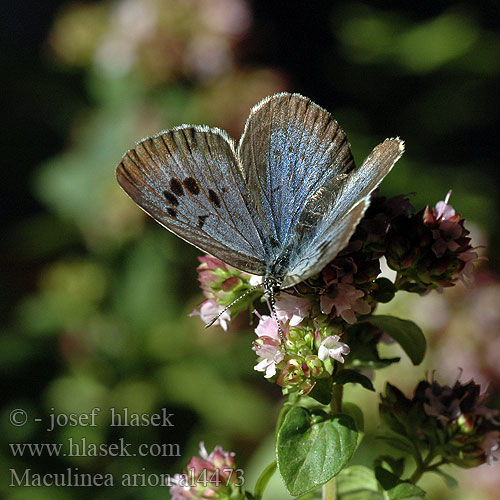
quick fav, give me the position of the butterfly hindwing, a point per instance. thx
(188, 179)
(333, 212)
(325, 248)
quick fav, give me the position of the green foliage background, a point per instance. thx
(96, 296)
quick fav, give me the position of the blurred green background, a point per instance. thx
(95, 295)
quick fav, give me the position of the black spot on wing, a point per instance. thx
(172, 212)
(212, 195)
(171, 198)
(191, 185)
(176, 187)
(201, 220)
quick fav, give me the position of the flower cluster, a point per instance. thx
(429, 249)
(453, 422)
(309, 347)
(222, 285)
(211, 475)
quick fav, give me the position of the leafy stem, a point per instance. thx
(337, 395)
(330, 487)
(424, 466)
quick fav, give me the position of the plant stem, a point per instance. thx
(336, 402)
(337, 394)
(423, 467)
(330, 490)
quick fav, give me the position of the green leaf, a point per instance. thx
(358, 483)
(451, 482)
(356, 413)
(400, 443)
(347, 376)
(322, 391)
(406, 333)
(311, 451)
(263, 479)
(397, 489)
(394, 465)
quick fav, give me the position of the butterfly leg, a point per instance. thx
(270, 285)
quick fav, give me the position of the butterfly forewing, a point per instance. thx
(290, 147)
(188, 179)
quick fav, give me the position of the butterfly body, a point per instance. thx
(281, 204)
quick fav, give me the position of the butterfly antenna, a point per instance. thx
(242, 296)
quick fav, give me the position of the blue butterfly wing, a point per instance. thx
(289, 149)
(189, 180)
(333, 212)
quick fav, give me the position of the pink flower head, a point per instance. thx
(210, 309)
(346, 303)
(331, 347)
(209, 273)
(218, 457)
(292, 308)
(205, 475)
(446, 235)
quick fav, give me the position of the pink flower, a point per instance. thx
(332, 348)
(346, 303)
(210, 309)
(267, 327)
(466, 274)
(270, 351)
(292, 308)
(268, 346)
(442, 210)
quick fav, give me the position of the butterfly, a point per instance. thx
(281, 203)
